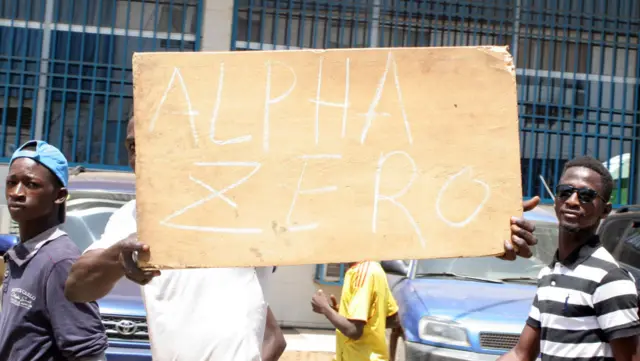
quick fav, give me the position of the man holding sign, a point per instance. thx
(217, 314)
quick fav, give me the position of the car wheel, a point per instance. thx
(400, 350)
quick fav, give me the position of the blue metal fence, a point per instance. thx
(577, 64)
(65, 69)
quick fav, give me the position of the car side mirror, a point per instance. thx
(396, 267)
(7, 241)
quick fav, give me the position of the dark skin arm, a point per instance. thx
(625, 348)
(96, 272)
(393, 321)
(527, 348)
(396, 333)
(350, 328)
(274, 343)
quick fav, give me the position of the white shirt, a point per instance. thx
(198, 314)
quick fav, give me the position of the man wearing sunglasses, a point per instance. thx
(586, 306)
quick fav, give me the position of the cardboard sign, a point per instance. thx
(313, 156)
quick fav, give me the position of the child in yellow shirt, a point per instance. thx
(367, 309)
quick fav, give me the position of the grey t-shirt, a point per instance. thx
(37, 322)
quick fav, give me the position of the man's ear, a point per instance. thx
(62, 195)
(607, 210)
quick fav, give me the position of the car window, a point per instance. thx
(86, 226)
(88, 214)
(611, 232)
(484, 267)
(547, 235)
(628, 251)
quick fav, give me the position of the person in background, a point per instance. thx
(214, 314)
(37, 322)
(586, 305)
(367, 309)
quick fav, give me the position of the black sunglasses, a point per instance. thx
(585, 195)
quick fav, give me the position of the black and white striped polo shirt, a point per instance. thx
(582, 303)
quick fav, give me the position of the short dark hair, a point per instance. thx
(596, 166)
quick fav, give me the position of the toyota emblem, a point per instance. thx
(126, 327)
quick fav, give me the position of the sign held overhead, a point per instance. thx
(302, 157)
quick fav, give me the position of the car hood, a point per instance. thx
(124, 300)
(476, 303)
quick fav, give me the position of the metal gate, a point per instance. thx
(577, 64)
(65, 69)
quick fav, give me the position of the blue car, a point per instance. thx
(466, 308)
(94, 196)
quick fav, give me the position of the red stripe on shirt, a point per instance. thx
(362, 274)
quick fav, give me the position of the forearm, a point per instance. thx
(343, 324)
(516, 354)
(94, 275)
(272, 348)
(274, 342)
(393, 321)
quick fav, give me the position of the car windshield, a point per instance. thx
(547, 234)
(492, 268)
(87, 216)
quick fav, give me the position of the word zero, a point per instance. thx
(379, 199)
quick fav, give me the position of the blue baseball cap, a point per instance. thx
(47, 155)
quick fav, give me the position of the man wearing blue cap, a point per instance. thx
(37, 322)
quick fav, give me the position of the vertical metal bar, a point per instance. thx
(107, 93)
(49, 90)
(634, 171)
(603, 42)
(422, 10)
(314, 31)
(263, 22)
(623, 119)
(199, 20)
(612, 90)
(303, 22)
(275, 21)
(123, 75)
(183, 25)
(44, 65)
(287, 40)
(375, 24)
(169, 23)
(516, 31)
(79, 90)
(588, 71)
(7, 87)
(156, 20)
(63, 103)
(550, 82)
(249, 21)
(563, 66)
(141, 25)
(356, 26)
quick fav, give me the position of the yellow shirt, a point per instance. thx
(366, 297)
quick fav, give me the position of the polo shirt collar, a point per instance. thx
(23, 252)
(579, 254)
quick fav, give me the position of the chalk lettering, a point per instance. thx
(371, 114)
(344, 105)
(216, 110)
(215, 194)
(377, 197)
(299, 191)
(268, 101)
(472, 216)
(190, 112)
